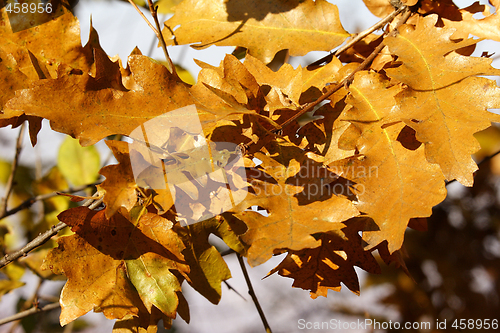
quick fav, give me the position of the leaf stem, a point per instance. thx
(10, 181)
(310, 106)
(154, 13)
(360, 36)
(29, 312)
(41, 238)
(156, 30)
(144, 17)
(251, 292)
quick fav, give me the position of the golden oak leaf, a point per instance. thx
(315, 78)
(105, 285)
(100, 106)
(97, 110)
(115, 266)
(264, 28)
(392, 183)
(379, 8)
(15, 77)
(58, 51)
(332, 263)
(463, 19)
(296, 192)
(287, 81)
(231, 82)
(334, 127)
(445, 104)
(119, 186)
(41, 58)
(12, 79)
(53, 43)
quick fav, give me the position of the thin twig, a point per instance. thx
(157, 31)
(360, 36)
(144, 17)
(348, 79)
(27, 203)
(251, 292)
(10, 181)
(230, 287)
(154, 13)
(226, 252)
(69, 328)
(40, 239)
(30, 312)
(31, 302)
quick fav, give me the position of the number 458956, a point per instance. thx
(471, 324)
(28, 8)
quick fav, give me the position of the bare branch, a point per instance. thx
(27, 203)
(41, 239)
(30, 312)
(251, 292)
(10, 181)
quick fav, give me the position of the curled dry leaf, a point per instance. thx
(332, 263)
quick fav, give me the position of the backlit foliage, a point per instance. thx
(336, 186)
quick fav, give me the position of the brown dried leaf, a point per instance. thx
(111, 263)
(332, 263)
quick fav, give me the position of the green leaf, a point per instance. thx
(154, 282)
(80, 165)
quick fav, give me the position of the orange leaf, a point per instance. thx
(120, 186)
